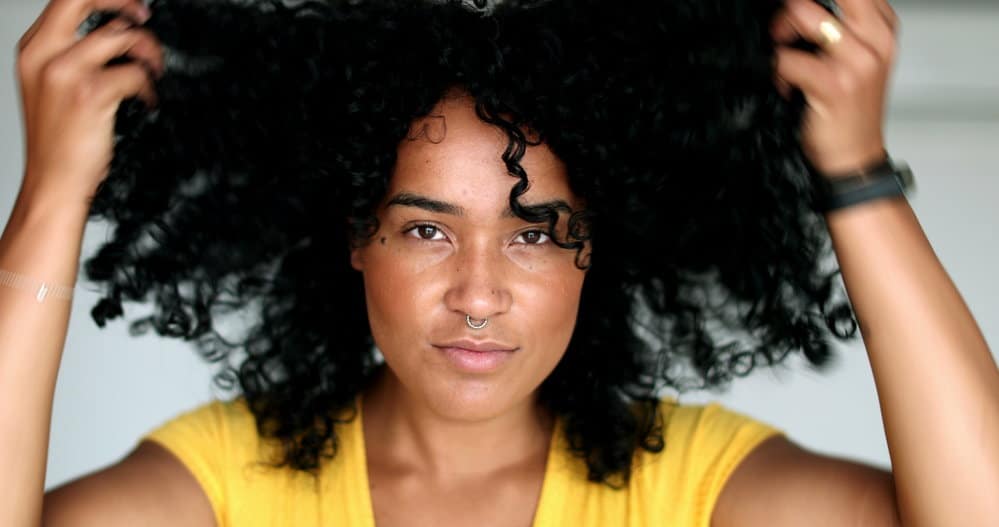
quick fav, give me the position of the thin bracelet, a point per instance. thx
(41, 289)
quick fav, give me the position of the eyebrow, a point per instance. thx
(408, 199)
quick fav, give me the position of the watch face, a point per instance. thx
(904, 175)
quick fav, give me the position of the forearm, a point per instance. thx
(40, 240)
(937, 381)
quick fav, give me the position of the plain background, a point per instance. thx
(943, 120)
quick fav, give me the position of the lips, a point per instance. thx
(477, 345)
(477, 357)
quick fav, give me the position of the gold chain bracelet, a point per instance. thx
(41, 289)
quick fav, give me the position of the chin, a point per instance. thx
(468, 399)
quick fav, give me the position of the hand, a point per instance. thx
(844, 83)
(70, 98)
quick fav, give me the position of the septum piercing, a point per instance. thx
(468, 320)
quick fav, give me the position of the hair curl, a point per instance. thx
(276, 133)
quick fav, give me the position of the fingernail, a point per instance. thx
(144, 13)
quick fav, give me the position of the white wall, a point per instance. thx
(944, 120)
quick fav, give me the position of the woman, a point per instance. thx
(527, 325)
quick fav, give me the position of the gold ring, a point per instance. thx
(831, 33)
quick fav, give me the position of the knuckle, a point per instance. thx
(893, 19)
(22, 43)
(25, 64)
(867, 63)
(88, 93)
(136, 75)
(76, 4)
(57, 6)
(889, 50)
(115, 36)
(141, 38)
(118, 25)
(58, 72)
(846, 83)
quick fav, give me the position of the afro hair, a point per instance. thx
(276, 133)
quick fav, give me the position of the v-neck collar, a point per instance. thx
(550, 503)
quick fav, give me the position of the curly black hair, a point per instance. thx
(276, 133)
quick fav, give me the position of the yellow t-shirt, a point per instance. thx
(678, 487)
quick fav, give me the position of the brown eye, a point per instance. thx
(534, 237)
(426, 232)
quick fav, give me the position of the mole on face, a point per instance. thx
(383, 240)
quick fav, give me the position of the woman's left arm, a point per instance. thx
(937, 383)
(936, 379)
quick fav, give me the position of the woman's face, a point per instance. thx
(448, 246)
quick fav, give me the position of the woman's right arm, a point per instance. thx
(69, 100)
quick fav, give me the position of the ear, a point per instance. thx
(357, 259)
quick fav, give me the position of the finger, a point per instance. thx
(858, 11)
(782, 29)
(115, 39)
(26, 37)
(134, 9)
(55, 29)
(807, 71)
(889, 15)
(807, 20)
(871, 23)
(124, 81)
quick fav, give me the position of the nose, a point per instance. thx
(478, 284)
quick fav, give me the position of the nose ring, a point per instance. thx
(468, 320)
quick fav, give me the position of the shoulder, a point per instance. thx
(240, 470)
(703, 443)
(212, 441)
(710, 421)
(779, 483)
(710, 436)
(214, 424)
(739, 471)
(173, 476)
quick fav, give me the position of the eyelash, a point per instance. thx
(543, 241)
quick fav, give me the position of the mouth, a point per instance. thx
(483, 360)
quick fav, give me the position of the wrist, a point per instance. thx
(38, 203)
(850, 163)
(885, 178)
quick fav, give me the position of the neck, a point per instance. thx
(401, 430)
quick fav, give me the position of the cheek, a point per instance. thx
(395, 295)
(553, 307)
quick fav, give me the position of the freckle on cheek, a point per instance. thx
(383, 240)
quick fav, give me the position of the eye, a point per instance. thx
(534, 237)
(426, 232)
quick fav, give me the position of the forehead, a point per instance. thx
(452, 153)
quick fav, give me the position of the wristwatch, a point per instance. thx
(886, 178)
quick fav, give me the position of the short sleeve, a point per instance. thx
(201, 439)
(708, 442)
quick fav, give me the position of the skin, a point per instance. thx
(917, 330)
(937, 382)
(433, 430)
(425, 420)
